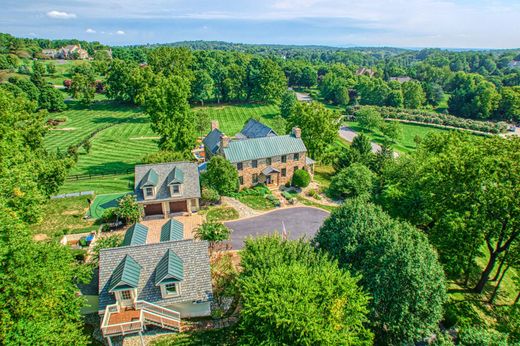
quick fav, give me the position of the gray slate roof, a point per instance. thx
(212, 140)
(196, 283)
(259, 148)
(255, 129)
(166, 173)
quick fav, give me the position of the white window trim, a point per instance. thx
(178, 193)
(146, 196)
(165, 293)
(121, 301)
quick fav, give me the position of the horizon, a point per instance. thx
(413, 24)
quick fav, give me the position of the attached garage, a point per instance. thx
(153, 209)
(179, 206)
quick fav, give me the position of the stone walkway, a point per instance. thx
(243, 210)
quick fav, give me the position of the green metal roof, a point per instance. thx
(258, 148)
(169, 269)
(126, 275)
(136, 235)
(151, 178)
(176, 176)
(172, 230)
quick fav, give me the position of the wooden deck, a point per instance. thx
(129, 315)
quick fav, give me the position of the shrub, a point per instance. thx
(109, 215)
(128, 210)
(355, 180)
(209, 196)
(213, 232)
(114, 240)
(301, 178)
(273, 199)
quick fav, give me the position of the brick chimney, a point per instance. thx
(297, 132)
(224, 141)
(214, 124)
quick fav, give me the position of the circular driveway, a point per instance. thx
(299, 222)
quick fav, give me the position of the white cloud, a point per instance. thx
(120, 32)
(90, 31)
(60, 15)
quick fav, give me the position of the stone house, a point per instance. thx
(167, 188)
(268, 159)
(72, 51)
(153, 284)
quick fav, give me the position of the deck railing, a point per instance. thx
(149, 313)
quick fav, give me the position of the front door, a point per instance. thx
(268, 180)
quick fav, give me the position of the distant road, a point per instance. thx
(348, 134)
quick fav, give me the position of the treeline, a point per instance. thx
(39, 304)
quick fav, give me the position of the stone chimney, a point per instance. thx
(297, 132)
(214, 125)
(224, 141)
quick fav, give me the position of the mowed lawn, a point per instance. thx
(231, 118)
(406, 143)
(124, 136)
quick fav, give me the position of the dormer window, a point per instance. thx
(172, 289)
(148, 192)
(175, 189)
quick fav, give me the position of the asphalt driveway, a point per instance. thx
(299, 222)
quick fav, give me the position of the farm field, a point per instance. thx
(406, 143)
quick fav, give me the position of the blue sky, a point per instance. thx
(400, 23)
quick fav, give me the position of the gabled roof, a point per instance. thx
(176, 176)
(196, 282)
(169, 269)
(212, 140)
(166, 173)
(135, 235)
(269, 169)
(126, 275)
(258, 148)
(255, 129)
(151, 178)
(172, 230)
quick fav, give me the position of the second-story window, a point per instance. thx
(149, 191)
(284, 158)
(268, 161)
(254, 163)
(296, 156)
(176, 189)
(239, 166)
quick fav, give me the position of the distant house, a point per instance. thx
(401, 79)
(514, 64)
(167, 188)
(269, 159)
(363, 71)
(50, 53)
(153, 284)
(72, 51)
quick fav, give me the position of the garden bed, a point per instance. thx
(258, 197)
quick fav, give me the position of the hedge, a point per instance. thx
(428, 117)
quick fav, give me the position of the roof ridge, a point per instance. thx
(195, 241)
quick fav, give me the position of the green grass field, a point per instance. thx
(231, 118)
(104, 202)
(124, 137)
(406, 143)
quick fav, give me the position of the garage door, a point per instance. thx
(176, 207)
(153, 209)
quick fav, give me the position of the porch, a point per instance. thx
(120, 321)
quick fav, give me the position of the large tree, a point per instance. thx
(397, 266)
(353, 181)
(294, 296)
(413, 94)
(221, 175)
(319, 126)
(472, 96)
(168, 107)
(265, 80)
(465, 192)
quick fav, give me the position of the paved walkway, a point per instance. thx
(243, 210)
(299, 222)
